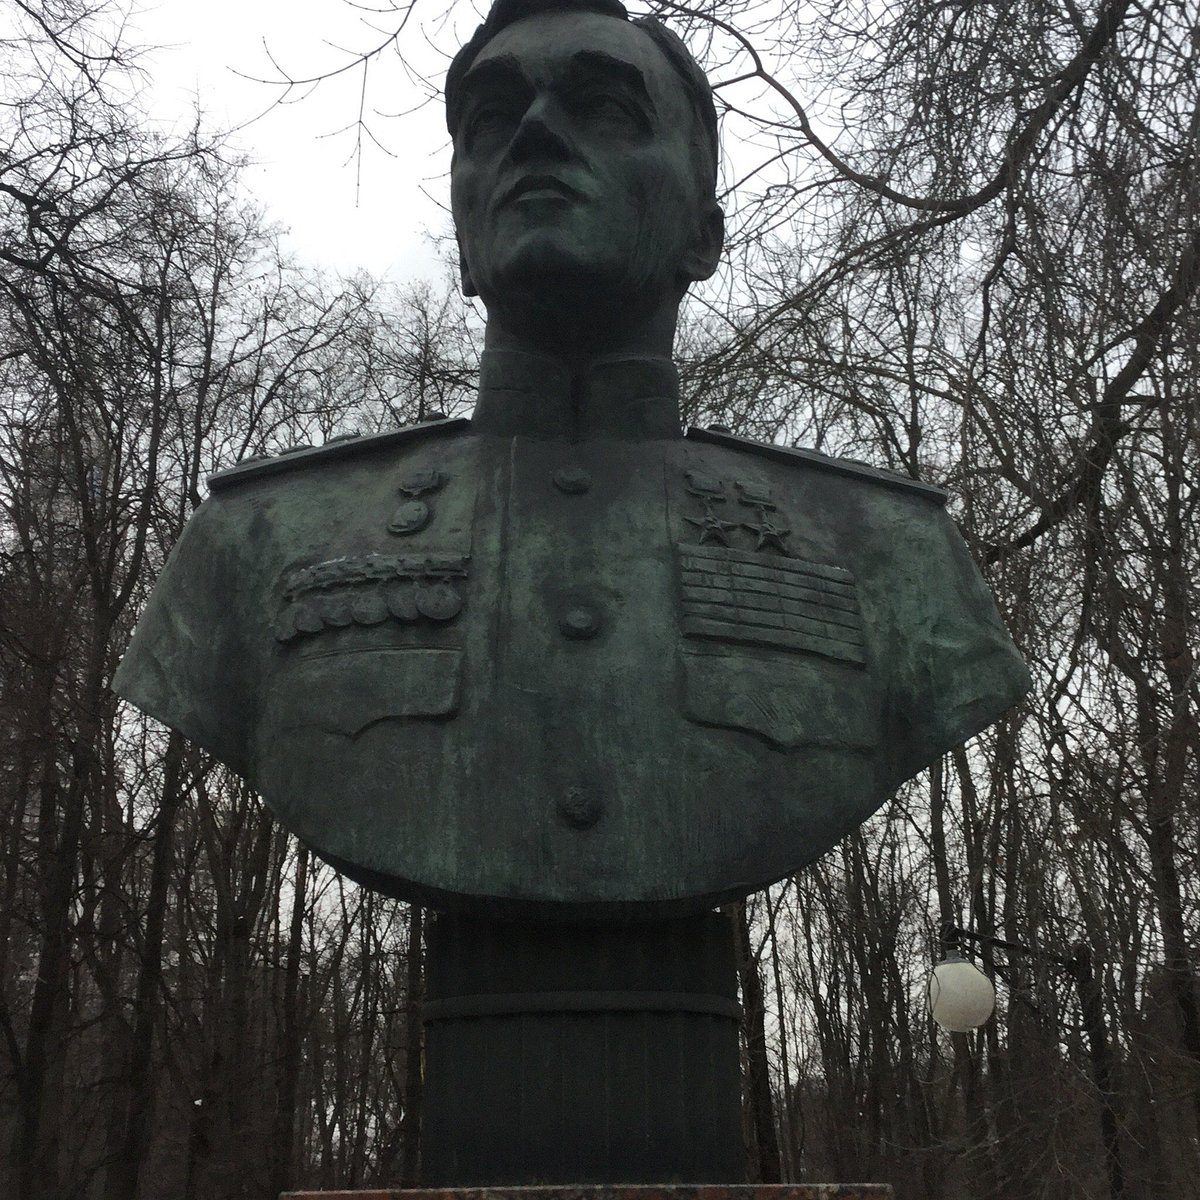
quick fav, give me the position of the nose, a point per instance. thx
(540, 134)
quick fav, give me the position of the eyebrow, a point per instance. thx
(506, 71)
(604, 66)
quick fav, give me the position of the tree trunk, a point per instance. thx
(123, 1178)
(413, 1056)
(284, 1140)
(758, 1084)
(1092, 1008)
(40, 1085)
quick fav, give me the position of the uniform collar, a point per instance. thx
(528, 395)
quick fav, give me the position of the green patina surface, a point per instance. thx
(561, 660)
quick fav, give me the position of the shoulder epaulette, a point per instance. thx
(332, 451)
(824, 462)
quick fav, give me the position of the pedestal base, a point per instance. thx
(789, 1191)
(581, 1055)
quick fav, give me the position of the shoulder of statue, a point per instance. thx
(299, 458)
(802, 459)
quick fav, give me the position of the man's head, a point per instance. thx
(584, 169)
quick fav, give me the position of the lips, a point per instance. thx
(539, 187)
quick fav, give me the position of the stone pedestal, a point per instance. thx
(576, 1055)
(792, 1191)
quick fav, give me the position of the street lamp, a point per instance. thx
(962, 998)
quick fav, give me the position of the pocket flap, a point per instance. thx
(344, 693)
(790, 702)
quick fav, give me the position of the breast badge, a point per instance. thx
(368, 591)
(414, 513)
(709, 490)
(739, 582)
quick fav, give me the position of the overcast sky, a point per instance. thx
(304, 171)
(346, 212)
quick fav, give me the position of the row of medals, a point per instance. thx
(403, 599)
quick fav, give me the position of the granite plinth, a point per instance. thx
(791, 1191)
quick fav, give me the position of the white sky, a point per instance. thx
(304, 172)
(304, 168)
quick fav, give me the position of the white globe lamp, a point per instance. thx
(961, 996)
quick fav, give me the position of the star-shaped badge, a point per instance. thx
(712, 528)
(770, 535)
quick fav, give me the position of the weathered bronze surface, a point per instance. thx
(787, 1191)
(561, 660)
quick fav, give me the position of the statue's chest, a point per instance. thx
(575, 574)
(556, 667)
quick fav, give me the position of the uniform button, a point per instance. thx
(572, 480)
(580, 623)
(580, 807)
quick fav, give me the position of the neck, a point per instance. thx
(579, 337)
(626, 398)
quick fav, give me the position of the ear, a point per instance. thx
(468, 284)
(704, 251)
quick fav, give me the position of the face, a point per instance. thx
(574, 167)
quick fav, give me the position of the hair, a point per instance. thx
(507, 12)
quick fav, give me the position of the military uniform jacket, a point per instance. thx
(560, 659)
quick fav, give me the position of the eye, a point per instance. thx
(608, 111)
(491, 121)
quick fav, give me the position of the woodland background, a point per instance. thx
(984, 276)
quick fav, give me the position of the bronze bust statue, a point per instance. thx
(562, 659)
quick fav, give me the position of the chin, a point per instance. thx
(555, 257)
(554, 266)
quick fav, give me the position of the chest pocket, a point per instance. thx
(805, 683)
(347, 692)
(788, 701)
